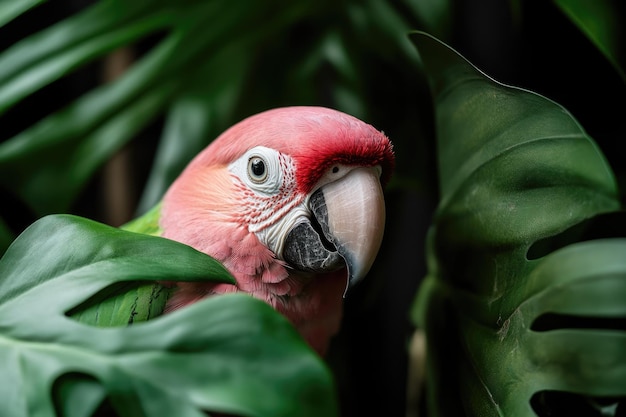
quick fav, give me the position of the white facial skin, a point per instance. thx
(270, 189)
(266, 173)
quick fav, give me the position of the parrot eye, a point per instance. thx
(260, 169)
(257, 171)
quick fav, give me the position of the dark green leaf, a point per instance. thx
(599, 21)
(435, 15)
(507, 318)
(199, 115)
(49, 163)
(46, 56)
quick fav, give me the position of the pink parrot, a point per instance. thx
(290, 201)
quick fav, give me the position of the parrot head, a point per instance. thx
(290, 201)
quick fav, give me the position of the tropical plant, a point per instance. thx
(197, 68)
(524, 302)
(182, 364)
(508, 196)
(206, 65)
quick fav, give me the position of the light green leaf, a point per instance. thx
(231, 354)
(10, 9)
(148, 223)
(517, 313)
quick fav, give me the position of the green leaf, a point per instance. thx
(199, 114)
(10, 9)
(599, 21)
(46, 56)
(435, 15)
(53, 159)
(183, 77)
(514, 309)
(185, 134)
(48, 164)
(231, 354)
(148, 223)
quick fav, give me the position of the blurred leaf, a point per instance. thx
(46, 56)
(185, 134)
(435, 14)
(199, 114)
(212, 64)
(53, 159)
(519, 178)
(9, 10)
(231, 353)
(599, 20)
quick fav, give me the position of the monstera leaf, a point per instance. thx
(230, 354)
(524, 303)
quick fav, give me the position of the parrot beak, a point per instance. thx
(356, 219)
(346, 229)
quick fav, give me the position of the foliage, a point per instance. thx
(196, 359)
(524, 290)
(199, 67)
(510, 197)
(203, 73)
(598, 20)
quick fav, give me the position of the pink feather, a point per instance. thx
(202, 210)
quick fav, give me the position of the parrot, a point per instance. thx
(290, 201)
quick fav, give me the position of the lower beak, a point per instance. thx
(346, 229)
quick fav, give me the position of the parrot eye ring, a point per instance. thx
(257, 169)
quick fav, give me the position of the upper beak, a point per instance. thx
(346, 228)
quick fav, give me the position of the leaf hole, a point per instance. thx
(550, 403)
(76, 389)
(555, 321)
(122, 304)
(608, 225)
